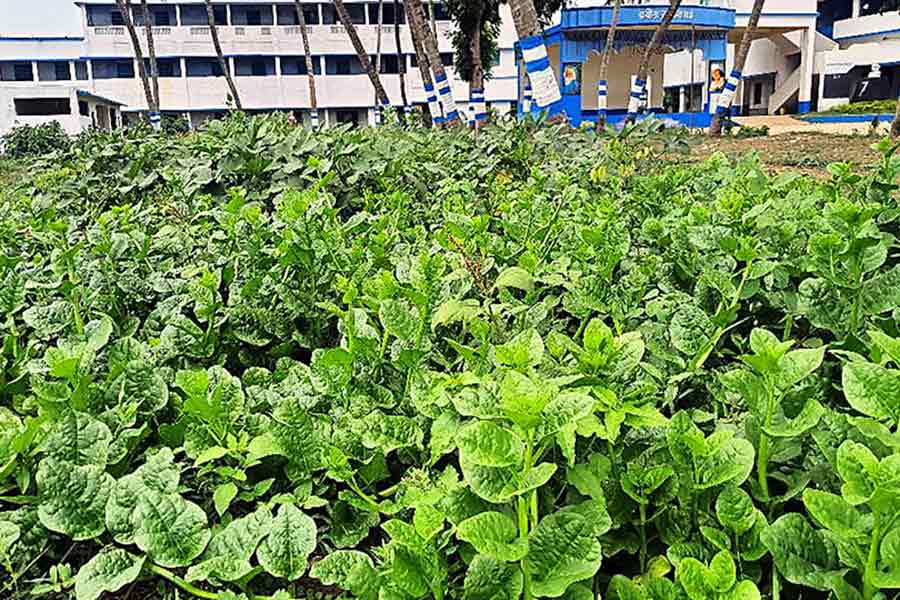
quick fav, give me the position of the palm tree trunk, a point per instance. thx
(544, 87)
(640, 79)
(476, 82)
(740, 59)
(895, 126)
(155, 117)
(602, 83)
(416, 14)
(125, 9)
(416, 33)
(401, 60)
(381, 98)
(310, 69)
(431, 18)
(214, 33)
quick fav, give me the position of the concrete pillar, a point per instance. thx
(228, 14)
(682, 99)
(855, 12)
(278, 66)
(182, 66)
(71, 70)
(34, 71)
(807, 67)
(178, 15)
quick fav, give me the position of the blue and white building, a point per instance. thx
(808, 55)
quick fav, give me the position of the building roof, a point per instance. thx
(92, 96)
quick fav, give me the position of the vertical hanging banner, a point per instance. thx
(314, 118)
(433, 107)
(726, 98)
(479, 108)
(537, 65)
(155, 120)
(634, 97)
(526, 97)
(443, 85)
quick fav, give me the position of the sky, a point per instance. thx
(39, 18)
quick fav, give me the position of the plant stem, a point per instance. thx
(643, 511)
(181, 583)
(869, 588)
(762, 461)
(523, 534)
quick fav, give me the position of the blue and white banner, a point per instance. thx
(155, 120)
(602, 95)
(726, 98)
(526, 98)
(314, 118)
(634, 97)
(537, 65)
(478, 105)
(443, 85)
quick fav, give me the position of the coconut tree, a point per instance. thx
(416, 17)
(476, 28)
(640, 78)
(602, 83)
(534, 52)
(416, 33)
(740, 59)
(223, 64)
(310, 69)
(155, 119)
(381, 98)
(125, 8)
(401, 60)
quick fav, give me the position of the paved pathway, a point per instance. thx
(788, 124)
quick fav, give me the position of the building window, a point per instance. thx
(81, 70)
(347, 116)
(57, 70)
(342, 65)
(296, 65)
(287, 15)
(389, 64)
(254, 66)
(388, 15)
(757, 94)
(42, 107)
(447, 59)
(251, 14)
(194, 15)
(167, 67)
(113, 69)
(83, 109)
(356, 11)
(203, 67)
(162, 18)
(115, 17)
(439, 13)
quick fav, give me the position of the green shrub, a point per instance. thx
(25, 141)
(865, 108)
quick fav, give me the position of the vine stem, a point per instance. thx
(180, 583)
(869, 588)
(762, 466)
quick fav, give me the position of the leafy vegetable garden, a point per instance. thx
(256, 362)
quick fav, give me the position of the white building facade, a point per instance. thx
(263, 47)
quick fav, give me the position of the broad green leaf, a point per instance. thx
(398, 319)
(522, 399)
(227, 557)
(836, 514)
(491, 579)
(347, 569)
(73, 498)
(690, 329)
(562, 550)
(797, 365)
(488, 444)
(597, 336)
(872, 390)
(524, 350)
(476, 402)
(171, 530)
(588, 477)
(888, 573)
(732, 463)
(692, 575)
(292, 539)
(803, 555)
(722, 572)
(443, 435)
(888, 344)
(515, 277)
(159, 473)
(452, 311)
(565, 409)
(881, 293)
(9, 535)
(807, 419)
(500, 484)
(744, 590)
(108, 571)
(495, 535)
(300, 436)
(389, 432)
(858, 467)
(48, 320)
(223, 495)
(80, 439)
(141, 383)
(428, 521)
(735, 510)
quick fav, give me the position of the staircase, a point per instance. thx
(786, 93)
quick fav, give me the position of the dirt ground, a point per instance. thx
(807, 152)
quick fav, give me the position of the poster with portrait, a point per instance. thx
(716, 77)
(571, 79)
